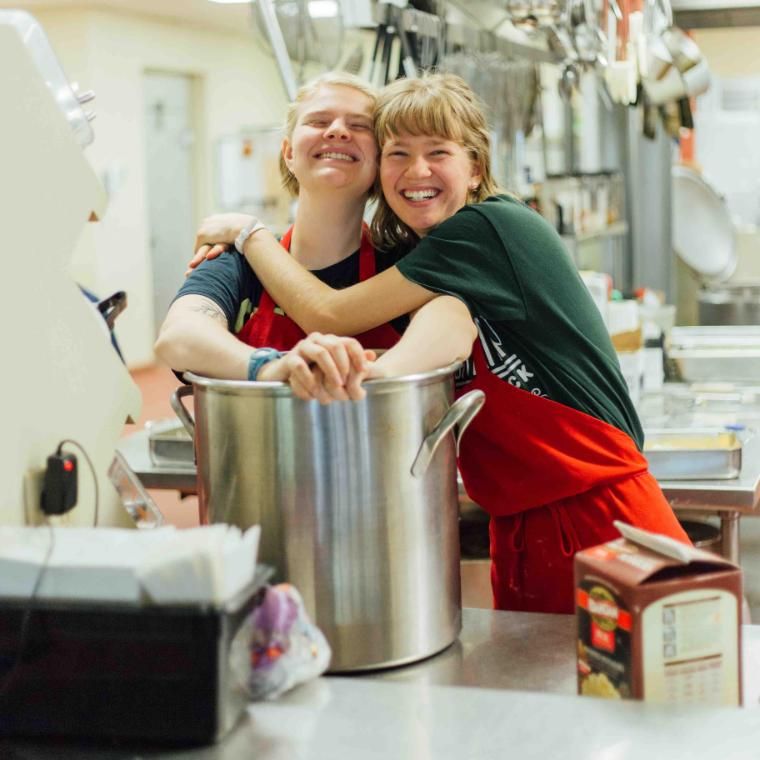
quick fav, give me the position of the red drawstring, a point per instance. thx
(568, 538)
(516, 535)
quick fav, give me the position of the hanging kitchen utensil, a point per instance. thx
(376, 50)
(671, 118)
(568, 81)
(657, 16)
(688, 59)
(684, 52)
(557, 43)
(684, 108)
(582, 19)
(703, 233)
(408, 43)
(390, 33)
(649, 120)
(531, 101)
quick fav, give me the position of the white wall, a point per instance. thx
(730, 52)
(238, 86)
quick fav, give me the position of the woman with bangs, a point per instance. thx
(224, 324)
(555, 456)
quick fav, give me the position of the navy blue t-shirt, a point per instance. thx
(231, 284)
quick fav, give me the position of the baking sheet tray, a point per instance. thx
(707, 364)
(693, 454)
(169, 443)
(715, 352)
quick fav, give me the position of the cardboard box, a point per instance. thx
(658, 621)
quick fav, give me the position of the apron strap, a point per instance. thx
(265, 311)
(367, 264)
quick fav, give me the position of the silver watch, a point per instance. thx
(254, 226)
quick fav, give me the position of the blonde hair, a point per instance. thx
(439, 105)
(307, 91)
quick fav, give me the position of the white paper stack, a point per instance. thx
(205, 565)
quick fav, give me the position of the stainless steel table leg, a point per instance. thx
(729, 535)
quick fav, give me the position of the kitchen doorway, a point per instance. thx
(170, 146)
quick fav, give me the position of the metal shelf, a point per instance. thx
(614, 230)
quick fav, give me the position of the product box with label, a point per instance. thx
(658, 621)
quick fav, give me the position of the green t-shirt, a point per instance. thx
(538, 326)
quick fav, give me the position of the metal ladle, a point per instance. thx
(568, 80)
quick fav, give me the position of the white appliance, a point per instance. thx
(61, 378)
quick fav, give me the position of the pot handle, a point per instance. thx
(460, 413)
(181, 410)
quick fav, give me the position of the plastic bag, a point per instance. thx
(278, 646)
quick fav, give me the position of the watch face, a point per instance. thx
(261, 352)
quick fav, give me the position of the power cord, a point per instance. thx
(11, 676)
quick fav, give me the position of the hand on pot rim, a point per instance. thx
(321, 367)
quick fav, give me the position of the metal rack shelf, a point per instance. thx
(618, 229)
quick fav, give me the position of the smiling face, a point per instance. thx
(425, 179)
(333, 146)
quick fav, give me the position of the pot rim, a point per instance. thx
(373, 387)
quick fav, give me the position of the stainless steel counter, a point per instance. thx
(667, 410)
(680, 406)
(135, 449)
(505, 689)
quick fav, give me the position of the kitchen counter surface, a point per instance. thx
(716, 406)
(505, 689)
(136, 451)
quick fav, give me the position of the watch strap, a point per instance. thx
(259, 358)
(254, 226)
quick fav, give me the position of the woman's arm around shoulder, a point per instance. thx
(315, 306)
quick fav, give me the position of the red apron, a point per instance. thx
(267, 328)
(553, 479)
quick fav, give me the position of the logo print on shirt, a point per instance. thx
(465, 373)
(506, 366)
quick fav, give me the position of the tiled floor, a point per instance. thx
(156, 385)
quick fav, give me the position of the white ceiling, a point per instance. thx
(193, 12)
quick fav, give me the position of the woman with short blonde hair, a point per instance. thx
(444, 106)
(305, 93)
(224, 324)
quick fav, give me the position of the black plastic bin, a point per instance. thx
(108, 671)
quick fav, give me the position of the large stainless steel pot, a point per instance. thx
(357, 503)
(735, 304)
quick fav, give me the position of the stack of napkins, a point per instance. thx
(207, 565)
